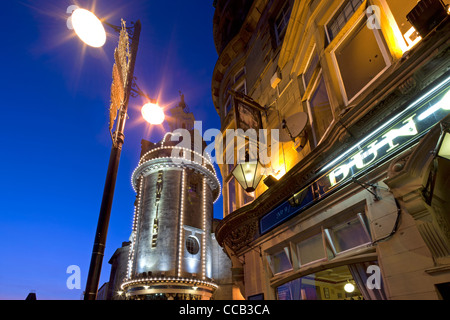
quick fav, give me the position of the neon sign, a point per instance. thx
(401, 131)
(416, 124)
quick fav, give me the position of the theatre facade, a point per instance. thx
(357, 204)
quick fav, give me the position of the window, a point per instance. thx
(231, 195)
(348, 235)
(360, 58)
(320, 111)
(238, 84)
(281, 22)
(192, 245)
(319, 107)
(323, 285)
(341, 17)
(311, 249)
(309, 72)
(280, 261)
(239, 75)
(242, 87)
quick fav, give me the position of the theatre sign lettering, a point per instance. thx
(401, 131)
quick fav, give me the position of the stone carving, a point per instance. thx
(241, 236)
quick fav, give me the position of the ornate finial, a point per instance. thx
(182, 103)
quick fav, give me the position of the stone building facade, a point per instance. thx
(358, 195)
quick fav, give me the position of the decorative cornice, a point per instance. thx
(156, 164)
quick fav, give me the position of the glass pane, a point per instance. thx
(324, 285)
(282, 20)
(360, 59)
(279, 262)
(310, 70)
(231, 196)
(349, 235)
(321, 112)
(228, 106)
(241, 88)
(311, 249)
(342, 16)
(239, 75)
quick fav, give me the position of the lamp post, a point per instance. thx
(89, 28)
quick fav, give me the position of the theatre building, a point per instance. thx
(355, 98)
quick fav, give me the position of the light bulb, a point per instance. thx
(88, 28)
(152, 113)
(349, 287)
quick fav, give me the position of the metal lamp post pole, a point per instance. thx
(111, 176)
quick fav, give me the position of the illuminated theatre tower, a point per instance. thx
(171, 248)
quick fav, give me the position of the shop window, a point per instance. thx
(340, 18)
(348, 235)
(328, 284)
(280, 261)
(281, 22)
(320, 112)
(311, 249)
(360, 58)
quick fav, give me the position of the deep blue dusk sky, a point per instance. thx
(56, 144)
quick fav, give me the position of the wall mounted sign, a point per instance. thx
(400, 132)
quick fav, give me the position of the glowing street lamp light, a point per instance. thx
(88, 28)
(152, 113)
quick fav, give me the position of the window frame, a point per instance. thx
(197, 245)
(308, 98)
(234, 85)
(360, 217)
(357, 211)
(280, 249)
(381, 42)
(230, 179)
(313, 54)
(335, 15)
(279, 35)
(324, 258)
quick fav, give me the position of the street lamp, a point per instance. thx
(91, 31)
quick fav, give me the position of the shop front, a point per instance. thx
(353, 228)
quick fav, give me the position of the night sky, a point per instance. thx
(55, 139)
